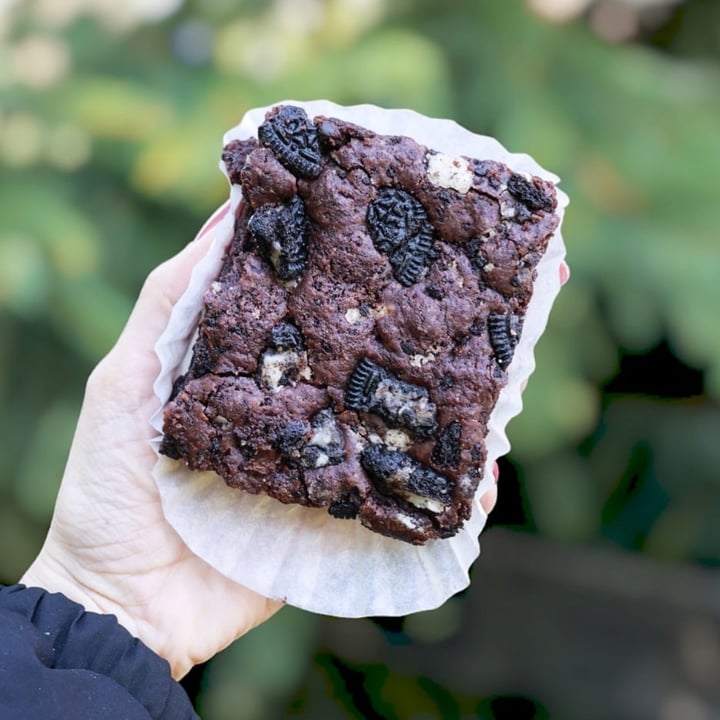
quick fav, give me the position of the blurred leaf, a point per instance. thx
(394, 68)
(375, 691)
(41, 208)
(434, 625)
(20, 540)
(654, 459)
(91, 315)
(565, 505)
(557, 406)
(38, 478)
(182, 162)
(23, 275)
(688, 528)
(115, 108)
(263, 668)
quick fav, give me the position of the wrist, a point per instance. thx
(53, 572)
(49, 575)
(54, 575)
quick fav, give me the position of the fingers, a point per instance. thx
(564, 272)
(489, 499)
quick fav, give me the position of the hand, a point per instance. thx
(109, 546)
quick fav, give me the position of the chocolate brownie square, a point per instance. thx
(355, 342)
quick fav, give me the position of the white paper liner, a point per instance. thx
(302, 555)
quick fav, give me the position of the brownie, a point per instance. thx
(355, 342)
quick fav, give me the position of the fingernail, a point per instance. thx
(564, 273)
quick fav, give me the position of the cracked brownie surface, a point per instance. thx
(355, 342)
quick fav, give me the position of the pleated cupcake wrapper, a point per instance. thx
(302, 555)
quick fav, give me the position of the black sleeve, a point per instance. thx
(59, 661)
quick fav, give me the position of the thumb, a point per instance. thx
(162, 289)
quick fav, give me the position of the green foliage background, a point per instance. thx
(110, 127)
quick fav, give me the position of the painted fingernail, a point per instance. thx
(488, 501)
(564, 273)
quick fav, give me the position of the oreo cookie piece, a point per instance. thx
(504, 330)
(446, 453)
(373, 389)
(284, 362)
(356, 339)
(397, 474)
(527, 192)
(293, 140)
(281, 232)
(400, 229)
(313, 445)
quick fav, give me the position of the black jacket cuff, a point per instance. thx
(59, 661)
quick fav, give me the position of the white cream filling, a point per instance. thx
(397, 439)
(398, 483)
(396, 401)
(322, 460)
(424, 503)
(324, 435)
(276, 363)
(407, 521)
(419, 359)
(508, 210)
(354, 316)
(450, 172)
